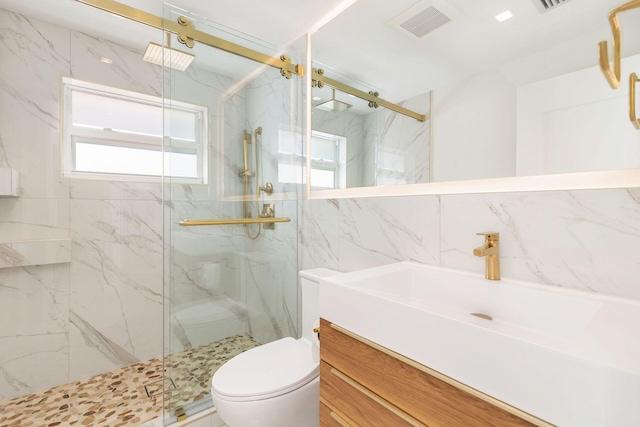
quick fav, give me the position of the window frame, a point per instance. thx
(338, 167)
(72, 134)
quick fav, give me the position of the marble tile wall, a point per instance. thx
(270, 264)
(104, 309)
(587, 240)
(34, 300)
(396, 147)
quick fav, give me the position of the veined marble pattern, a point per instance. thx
(106, 309)
(127, 396)
(586, 240)
(34, 219)
(115, 284)
(382, 231)
(320, 234)
(34, 55)
(34, 252)
(396, 147)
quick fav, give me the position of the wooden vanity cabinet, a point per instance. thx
(363, 384)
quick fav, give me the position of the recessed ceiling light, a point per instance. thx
(504, 16)
(106, 60)
(316, 98)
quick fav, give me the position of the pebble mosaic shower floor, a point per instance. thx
(127, 396)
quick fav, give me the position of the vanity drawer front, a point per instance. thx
(328, 418)
(431, 400)
(358, 405)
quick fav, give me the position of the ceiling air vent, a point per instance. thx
(426, 21)
(424, 17)
(547, 5)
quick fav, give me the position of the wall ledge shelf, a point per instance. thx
(9, 182)
(24, 253)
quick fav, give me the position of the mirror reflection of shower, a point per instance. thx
(246, 174)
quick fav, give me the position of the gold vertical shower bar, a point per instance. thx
(283, 62)
(257, 132)
(246, 140)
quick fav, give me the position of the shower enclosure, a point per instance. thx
(230, 271)
(109, 307)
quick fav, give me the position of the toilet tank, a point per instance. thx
(309, 284)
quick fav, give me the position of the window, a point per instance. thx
(328, 157)
(116, 134)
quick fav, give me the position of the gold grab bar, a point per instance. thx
(633, 79)
(613, 77)
(231, 221)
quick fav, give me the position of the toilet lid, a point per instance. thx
(267, 371)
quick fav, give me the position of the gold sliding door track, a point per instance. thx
(319, 79)
(187, 35)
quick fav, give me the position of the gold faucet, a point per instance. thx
(491, 251)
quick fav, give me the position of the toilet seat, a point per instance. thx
(267, 371)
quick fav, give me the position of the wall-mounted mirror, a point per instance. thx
(358, 143)
(510, 89)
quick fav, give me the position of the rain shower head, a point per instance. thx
(333, 104)
(173, 58)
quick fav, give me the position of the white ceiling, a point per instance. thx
(528, 47)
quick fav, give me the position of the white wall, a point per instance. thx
(473, 129)
(576, 123)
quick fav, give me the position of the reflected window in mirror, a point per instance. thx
(328, 160)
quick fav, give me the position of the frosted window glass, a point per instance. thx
(121, 115)
(133, 161)
(323, 178)
(324, 149)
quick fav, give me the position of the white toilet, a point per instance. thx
(276, 384)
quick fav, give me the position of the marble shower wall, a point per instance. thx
(396, 147)
(66, 321)
(271, 261)
(34, 301)
(587, 240)
(255, 281)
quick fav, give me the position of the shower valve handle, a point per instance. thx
(267, 188)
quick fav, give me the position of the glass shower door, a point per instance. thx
(227, 288)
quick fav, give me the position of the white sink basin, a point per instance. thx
(567, 357)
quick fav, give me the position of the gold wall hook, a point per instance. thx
(613, 76)
(633, 79)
